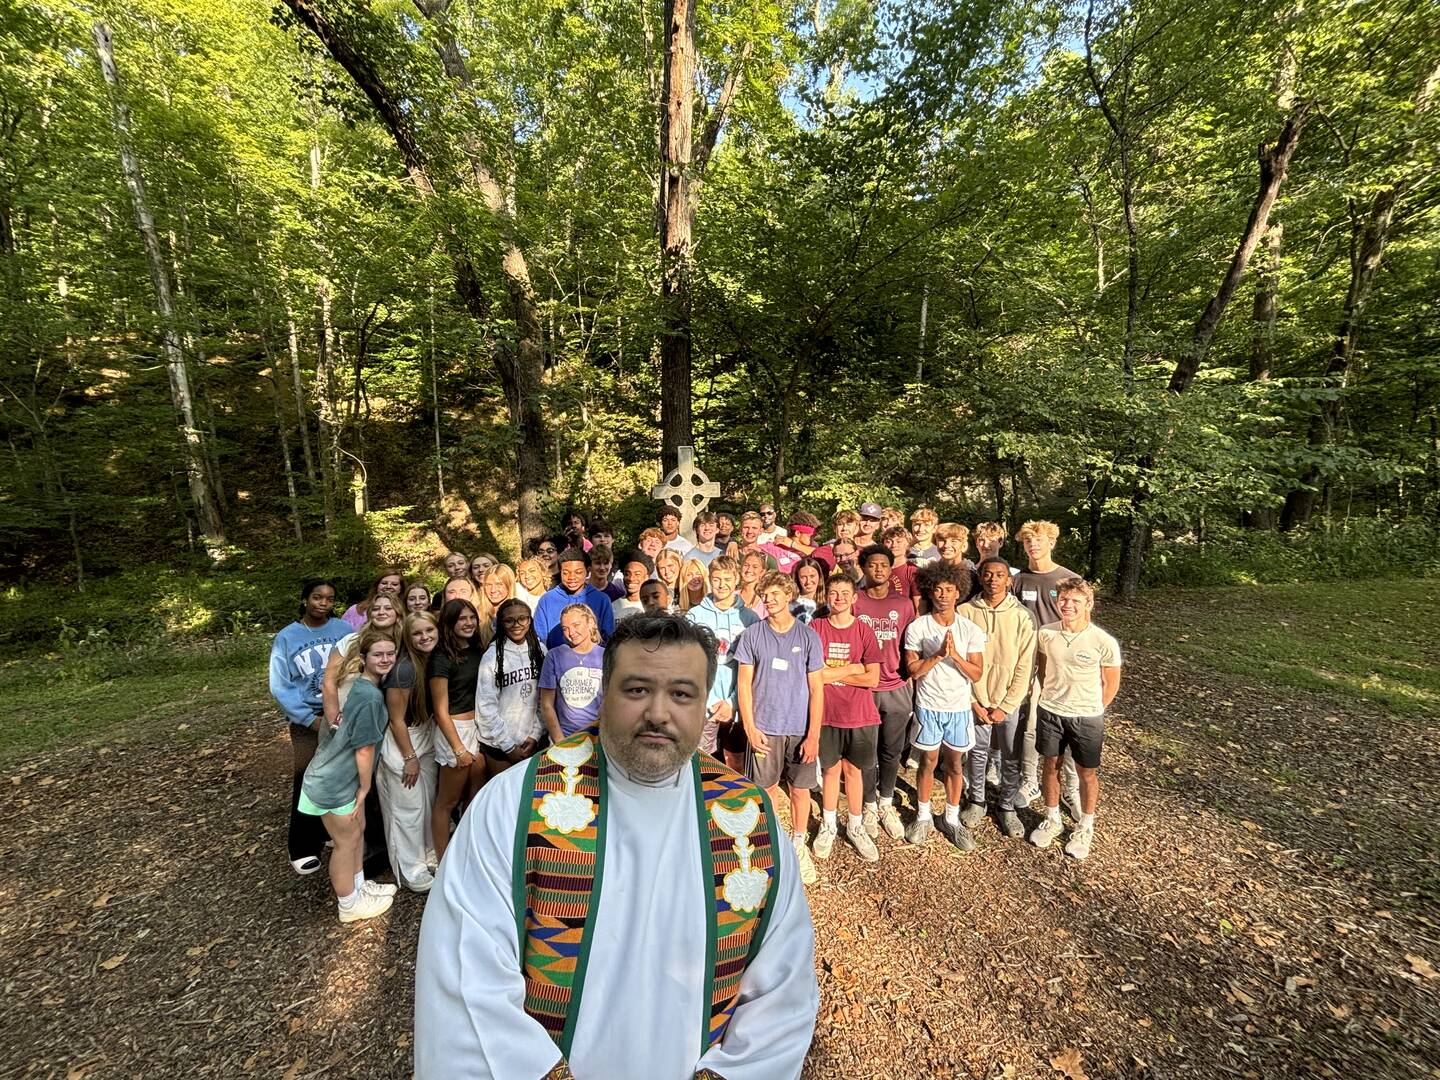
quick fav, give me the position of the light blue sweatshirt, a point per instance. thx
(297, 667)
(727, 626)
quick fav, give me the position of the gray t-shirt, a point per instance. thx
(781, 663)
(1038, 592)
(332, 780)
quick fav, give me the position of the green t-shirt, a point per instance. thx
(332, 780)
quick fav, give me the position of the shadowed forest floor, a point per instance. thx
(1261, 900)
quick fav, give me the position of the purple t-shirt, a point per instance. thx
(781, 663)
(575, 678)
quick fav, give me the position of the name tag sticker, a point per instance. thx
(1029, 594)
(780, 664)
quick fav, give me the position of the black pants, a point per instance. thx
(896, 709)
(307, 832)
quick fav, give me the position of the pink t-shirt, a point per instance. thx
(889, 619)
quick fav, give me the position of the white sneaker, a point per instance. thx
(824, 842)
(863, 844)
(1079, 845)
(992, 774)
(422, 883)
(1046, 832)
(870, 818)
(1028, 793)
(1070, 803)
(890, 821)
(366, 906)
(808, 875)
(378, 888)
(307, 865)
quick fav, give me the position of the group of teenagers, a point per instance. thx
(838, 663)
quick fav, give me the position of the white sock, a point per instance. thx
(1087, 821)
(952, 813)
(359, 881)
(829, 819)
(800, 836)
(1052, 813)
(873, 807)
(351, 900)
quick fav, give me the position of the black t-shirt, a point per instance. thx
(402, 677)
(460, 675)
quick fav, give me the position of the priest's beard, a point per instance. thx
(648, 761)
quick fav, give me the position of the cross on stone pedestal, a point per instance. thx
(686, 488)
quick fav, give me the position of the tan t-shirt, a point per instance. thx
(1072, 668)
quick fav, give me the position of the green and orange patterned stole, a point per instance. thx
(559, 871)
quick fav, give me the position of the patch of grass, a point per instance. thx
(1370, 641)
(107, 694)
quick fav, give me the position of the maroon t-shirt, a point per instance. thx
(888, 618)
(848, 706)
(903, 581)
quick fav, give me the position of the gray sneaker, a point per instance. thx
(870, 817)
(864, 846)
(957, 834)
(824, 842)
(919, 830)
(972, 815)
(1046, 832)
(891, 823)
(1070, 803)
(1010, 825)
(1079, 845)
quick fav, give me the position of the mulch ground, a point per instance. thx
(1261, 901)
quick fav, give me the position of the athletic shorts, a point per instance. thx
(1083, 736)
(469, 738)
(860, 746)
(782, 763)
(954, 730)
(305, 806)
(718, 739)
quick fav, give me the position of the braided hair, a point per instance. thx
(537, 657)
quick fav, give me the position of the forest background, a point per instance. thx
(326, 283)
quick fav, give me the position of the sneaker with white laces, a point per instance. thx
(1079, 845)
(1046, 832)
(824, 842)
(380, 888)
(957, 834)
(864, 846)
(1010, 825)
(1029, 792)
(891, 823)
(972, 815)
(808, 875)
(870, 818)
(367, 905)
(919, 830)
(992, 773)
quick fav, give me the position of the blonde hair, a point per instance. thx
(1046, 529)
(446, 595)
(364, 641)
(692, 568)
(419, 694)
(778, 579)
(584, 609)
(1076, 584)
(539, 569)
(924, 513)
(951, 530)
(845, 517)
(669, 555)
(990, 530)
(483, 607)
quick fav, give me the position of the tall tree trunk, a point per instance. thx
(192, 447)
(435, 402)
(1274, 161)
(1262, 339)
(677, 223)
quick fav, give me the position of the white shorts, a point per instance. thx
(953, 729)
(469, 738)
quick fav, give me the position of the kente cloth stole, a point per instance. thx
(559, 863)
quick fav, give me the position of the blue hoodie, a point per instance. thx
(297, 667)
(727, 626)
(556, 600)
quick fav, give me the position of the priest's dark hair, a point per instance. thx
(654, 631)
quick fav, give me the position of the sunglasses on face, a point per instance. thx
(547, 551)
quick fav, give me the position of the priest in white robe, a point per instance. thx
(646, 972)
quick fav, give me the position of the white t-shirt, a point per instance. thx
(769, 535)
(944, 688)
(624, 607)
(681, 545)
(1072, 668)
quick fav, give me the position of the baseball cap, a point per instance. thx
(870, 510)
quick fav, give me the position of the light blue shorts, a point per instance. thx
(955, 730)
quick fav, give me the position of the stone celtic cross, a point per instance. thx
(686, 488)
